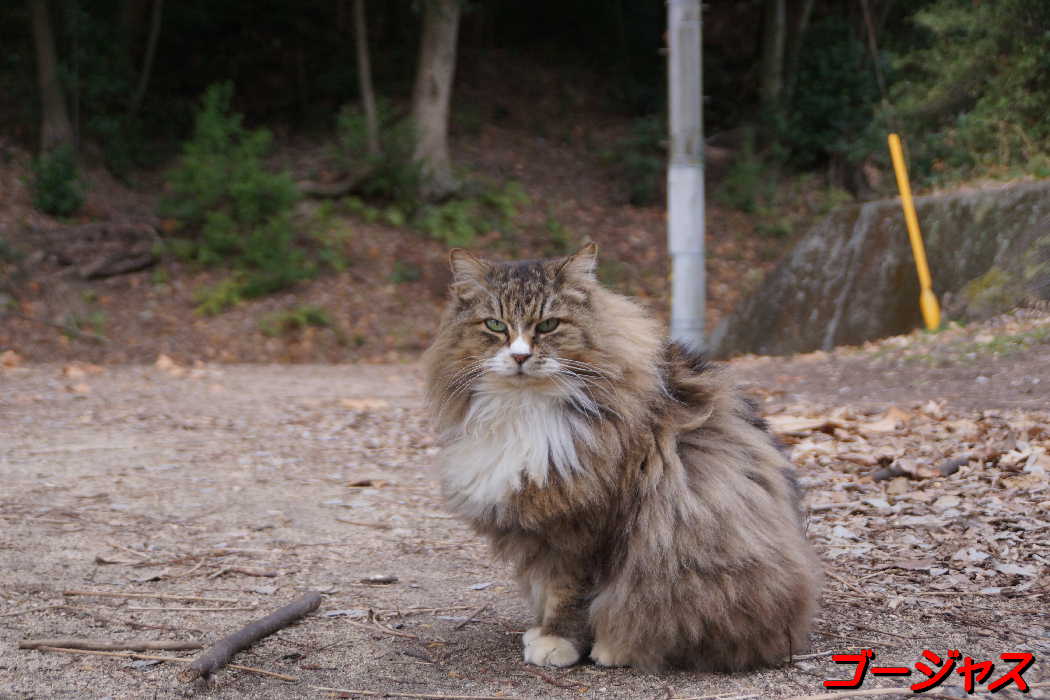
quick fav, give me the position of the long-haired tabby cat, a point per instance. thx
(650, 516)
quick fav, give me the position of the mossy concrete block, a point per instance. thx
(853, 278)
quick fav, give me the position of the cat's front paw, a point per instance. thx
(606, 655)
(548, 650)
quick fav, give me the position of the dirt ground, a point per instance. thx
(169, 480)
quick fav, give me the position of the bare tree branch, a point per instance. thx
(219, 654)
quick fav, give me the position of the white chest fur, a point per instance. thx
(510, 436)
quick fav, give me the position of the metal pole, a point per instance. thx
(685, 173)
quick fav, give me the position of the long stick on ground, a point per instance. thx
(424, 696)
(100, 645)
(157, 596)
(219, 654)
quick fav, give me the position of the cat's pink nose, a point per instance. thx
(522, 357)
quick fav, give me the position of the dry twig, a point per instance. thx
(219, 654)
(101, 645)
(377, 526)
(156, 596)
(815, 655)
(546, 677)
(245, 571)
(470, 617)
(421, 696)
(375, 626)
(154, 657)
(196, 610)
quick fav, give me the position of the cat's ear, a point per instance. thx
(582, 263)
(468, 273)
(465, 267)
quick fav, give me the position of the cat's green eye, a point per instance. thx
(495, 326)
(547, 325)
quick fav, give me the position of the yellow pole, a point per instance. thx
(931, 310)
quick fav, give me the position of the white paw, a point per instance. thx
(602, 655)
(548, 650)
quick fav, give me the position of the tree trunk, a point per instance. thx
(771, 87)
(55, 128)
(430, 101)
(364, 78)
(147, 61)
(794, 51)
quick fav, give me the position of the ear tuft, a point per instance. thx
(582, 263)
(465, 267)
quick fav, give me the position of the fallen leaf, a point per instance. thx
(9, 359)
(890, 421)
(897, 486)
(934, 409)
(368, 484)
(1015, 569)
(946, 502)
(1026, 481)
(843, 533)
(364, 404)
(863, 459)
(971, 554)
(964, 429)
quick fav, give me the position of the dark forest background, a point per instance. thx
(222, 118)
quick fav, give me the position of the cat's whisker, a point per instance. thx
(589, 404)
(462, 379)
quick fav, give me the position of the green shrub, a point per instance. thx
(405, 271)
(834, 100)
(295, 319)
(76, 324)
(219, 297)
(745, 186)
(977, 97)
(393, 175)
(234, 210)
(642, 159)
(56, 186)
(222, 169)
(8, 254)
(458, 223)
(559, 238)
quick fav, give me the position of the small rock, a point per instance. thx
(380, 579)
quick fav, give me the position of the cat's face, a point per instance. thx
(523, 323)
